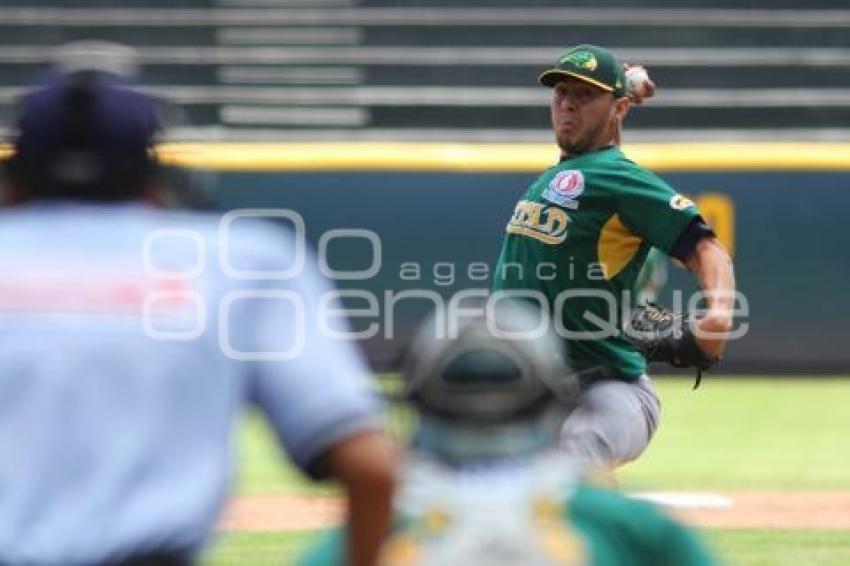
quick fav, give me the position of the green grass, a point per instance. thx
(777, 548)
(732, 433)
(258, 548)
(743, 547)
(748, 434)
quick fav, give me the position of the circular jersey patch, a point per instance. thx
(680, 202)
(568, 184)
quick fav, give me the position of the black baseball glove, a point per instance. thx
(665, 336)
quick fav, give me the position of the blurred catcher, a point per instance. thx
(118, 400)
(484, 482)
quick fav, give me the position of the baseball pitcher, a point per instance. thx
(575, 244)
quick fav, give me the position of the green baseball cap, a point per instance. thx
(589, 63)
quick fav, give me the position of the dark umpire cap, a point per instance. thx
(504, 367)
(591, 64)
(85, 134)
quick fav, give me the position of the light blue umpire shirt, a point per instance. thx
(130, 339)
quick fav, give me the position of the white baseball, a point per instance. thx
(636, 80)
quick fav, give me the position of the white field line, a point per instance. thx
(685, 500)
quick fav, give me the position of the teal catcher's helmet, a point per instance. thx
(498, 386)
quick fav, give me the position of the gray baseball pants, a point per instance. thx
(613, 421)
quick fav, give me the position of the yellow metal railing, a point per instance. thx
(496, 157)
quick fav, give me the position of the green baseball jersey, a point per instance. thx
(573, 525)
(578, 238)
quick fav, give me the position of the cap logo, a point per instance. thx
(581, 59)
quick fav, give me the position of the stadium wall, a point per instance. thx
(438, 212)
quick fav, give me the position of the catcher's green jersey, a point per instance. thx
(593, 526)
(579, 237)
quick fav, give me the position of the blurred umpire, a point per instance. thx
(130, 338)
(484, 482)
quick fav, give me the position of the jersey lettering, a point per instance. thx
(547, 224)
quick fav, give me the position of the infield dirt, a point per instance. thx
(822, 510)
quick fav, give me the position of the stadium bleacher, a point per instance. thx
(443, 69)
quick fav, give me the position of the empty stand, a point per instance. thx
(443, 69)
